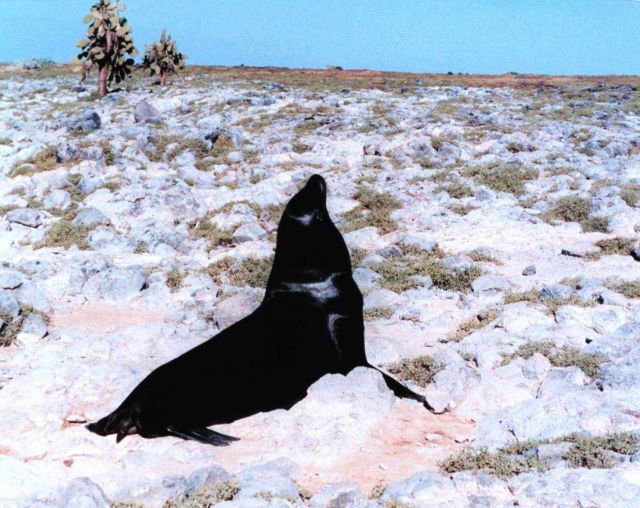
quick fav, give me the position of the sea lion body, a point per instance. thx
(309, 324)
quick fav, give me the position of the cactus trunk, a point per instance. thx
(103, 76)
(163, 78)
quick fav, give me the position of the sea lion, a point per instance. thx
(309, 324)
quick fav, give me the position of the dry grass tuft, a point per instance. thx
(250, 271)
(421, 370)
(375, 210)
(503, 178)
(65, 234)
(456, 190)
(174, 280)
(205, 228)
(475, 323)
(615, 246)
(567, 356)
(497, 463)
(45, 160)
(629, 289)
(378, 313)
(210, 496)
(517, 458)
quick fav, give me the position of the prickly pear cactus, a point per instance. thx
(108, 43)
(163, 58)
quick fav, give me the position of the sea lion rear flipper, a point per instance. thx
(121, 422)
(402, 392)
(201, 434)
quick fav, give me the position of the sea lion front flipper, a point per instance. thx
(202, 435)
(402, 392)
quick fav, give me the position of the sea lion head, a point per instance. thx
(309, 247)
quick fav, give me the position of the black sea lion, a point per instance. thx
(308, 325)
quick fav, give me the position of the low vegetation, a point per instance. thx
(475, 323)
(205, 228)
(511, 460)
(45, 160)
(462, 209)
(375, 210)
(507, 178)
(552, 304)
(174, 280)
(595, 452)
(209, 496)
(403, 273)
(577, 209)
(630, 193)
(378, 313)
(9, 329)
(618, 245)
(456, 190)
(567, 356)
(629, 289)
(250, 271)
(497, 463)
(421, 370)
(168, 147)
(65, 233)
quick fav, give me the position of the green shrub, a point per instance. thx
(498, 463)
(475, 323)
(456, 190)
(205, 228)
(45, 160)
(566, 356)
(174, 280)
(629, 289)
(65, 234)
(378, 313)
(630, 193)
(510, 460)
(9, 330)
(596, 224)
(570, 209)
(503, 178)
(208, 497)
(421, 370)
(616, 246)
(595, 452)
(375, 210)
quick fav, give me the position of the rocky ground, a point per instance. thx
(494, 233)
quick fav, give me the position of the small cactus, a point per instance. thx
(108, 44)
(163, 58)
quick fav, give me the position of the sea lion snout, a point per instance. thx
(317, 184)
(310, 202)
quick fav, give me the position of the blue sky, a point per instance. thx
(476, 36)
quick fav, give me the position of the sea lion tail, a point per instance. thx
(122, 421)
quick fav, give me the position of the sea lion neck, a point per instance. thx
(309, 248)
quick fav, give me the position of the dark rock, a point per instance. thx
(25, 216)
(391, 252)
(146, 113)
(88, 120)
(529, 270)
(273, 87)
(556, 291)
